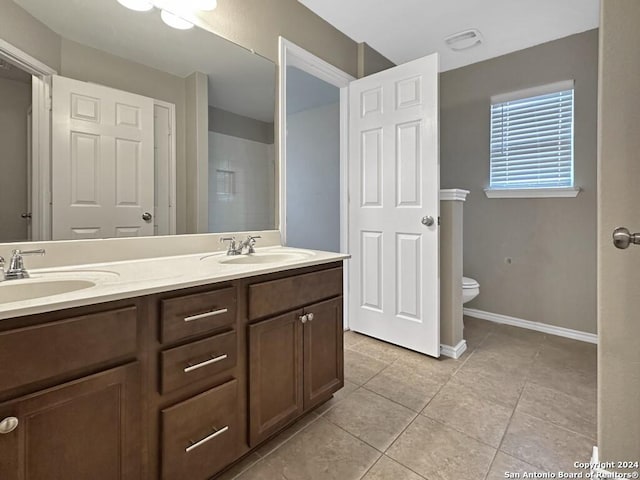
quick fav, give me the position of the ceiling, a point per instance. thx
(403, 30)
(239, 81)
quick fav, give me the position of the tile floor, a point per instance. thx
(517, 401)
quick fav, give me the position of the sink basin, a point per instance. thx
(19, 290)
(260, 258)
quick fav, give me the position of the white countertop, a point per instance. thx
(125, 279)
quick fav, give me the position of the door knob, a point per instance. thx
(622, 238)
(310, 317)
(304, 318)
(428, 221)
(8, 425)
(146, 216)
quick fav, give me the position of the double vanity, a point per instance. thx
(166, 368)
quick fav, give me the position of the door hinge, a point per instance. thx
(49, 103)
(438, 221)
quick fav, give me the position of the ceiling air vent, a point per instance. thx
(464, 40)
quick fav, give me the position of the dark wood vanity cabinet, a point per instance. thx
(86, 429)
(70, 395)
(275, 375)
(295, 359)
(168, 386)
(323, 373)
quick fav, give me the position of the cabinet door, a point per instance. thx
(323, 352)
(275, 375)
(86, 429)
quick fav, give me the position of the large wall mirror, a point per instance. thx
(154, 130)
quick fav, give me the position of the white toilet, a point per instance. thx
(470, 289)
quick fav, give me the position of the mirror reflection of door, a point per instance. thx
(15, 106)
(102, 162)
(193, 72)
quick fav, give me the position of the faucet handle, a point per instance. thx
(1, 268)
(232, 250)
(22, 253)
(16, 268)
(251, 241)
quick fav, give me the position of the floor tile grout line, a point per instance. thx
(460, 431)
(389, 399)
(394, 461)
(261, 458)
(561, 427)
(364, 441)
(371, 467)
(499, 449)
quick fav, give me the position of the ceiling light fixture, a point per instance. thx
(464, 40)
(207, 5)
(175, 21)
(137, 5)
(175, 13)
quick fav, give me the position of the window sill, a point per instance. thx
(569, 192)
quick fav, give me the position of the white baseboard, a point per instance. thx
(596, 467)
(539, 327)
(454, 352)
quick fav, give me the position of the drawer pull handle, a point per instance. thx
(206, 439)
(206, 315)
(211, 361)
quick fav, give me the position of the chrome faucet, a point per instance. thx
(249, 243)
(16, 268)
(1, 269)
(245, 247)
(233, 249)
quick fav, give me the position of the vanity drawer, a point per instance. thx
(200, 435)
(197, 361)
(277, 296)
(197, 314)
(33, 354)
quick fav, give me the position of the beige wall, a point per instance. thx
(25, 32)
(15, 99)
(552, 242)
(256, 25)
(619, 270)
(197, 153)
(451, 235)
(370, 61)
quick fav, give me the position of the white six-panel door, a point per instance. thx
(393, 185)
(102, 161)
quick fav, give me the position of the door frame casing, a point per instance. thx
(41, 136)
(172, 164)
(290, 54)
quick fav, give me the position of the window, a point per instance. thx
(531, 151)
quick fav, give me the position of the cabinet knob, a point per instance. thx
(310, 317)
(304, 318)
(8, 425)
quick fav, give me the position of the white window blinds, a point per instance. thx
(532, 138)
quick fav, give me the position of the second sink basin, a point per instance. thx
(20, 290)
(260, 258)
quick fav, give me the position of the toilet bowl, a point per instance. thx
(470, 289)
